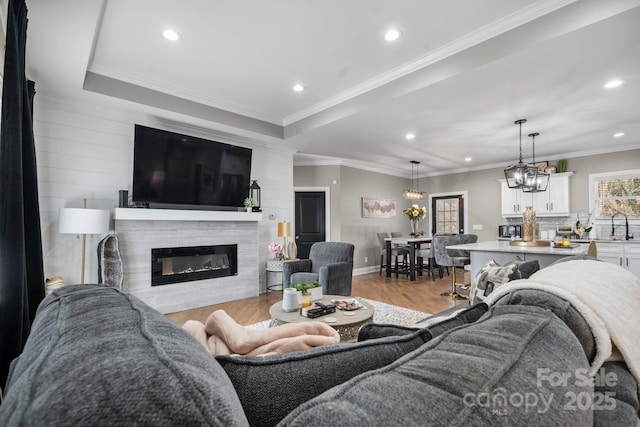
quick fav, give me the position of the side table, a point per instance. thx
(275, 266)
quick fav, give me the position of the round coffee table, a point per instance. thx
(346, 324)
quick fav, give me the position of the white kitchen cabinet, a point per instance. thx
(553, 202)
(511, 203)
(626, 255)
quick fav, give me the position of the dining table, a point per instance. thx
(413, 243)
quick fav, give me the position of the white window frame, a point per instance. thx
(595, 177)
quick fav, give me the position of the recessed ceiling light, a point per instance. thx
(618, 135)
(614, 83)
(467, 159)
(298, 87)
(392, 34)
(172, 35)
(410, 136)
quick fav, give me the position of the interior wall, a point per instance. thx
(325, 176)
(483, 204)
(347, 223)
(86, 151)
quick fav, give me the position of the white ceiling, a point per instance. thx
(460, 75)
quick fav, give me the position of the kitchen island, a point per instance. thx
(501, 252)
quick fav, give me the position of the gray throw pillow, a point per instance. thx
(494, 275)
(524, 269)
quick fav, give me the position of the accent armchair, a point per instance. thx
(329, 263)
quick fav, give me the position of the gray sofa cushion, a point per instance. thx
(98, 356)
(270, 387)
(435, 324)
(616, 396)
(450, 379)
(561, 308)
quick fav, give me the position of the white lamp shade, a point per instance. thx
(83, 221)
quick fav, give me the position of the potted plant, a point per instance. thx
(561, 166)
(248, 203)
(314, 289)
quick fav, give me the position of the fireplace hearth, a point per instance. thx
(184, 264)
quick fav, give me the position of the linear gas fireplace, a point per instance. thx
(175, 265)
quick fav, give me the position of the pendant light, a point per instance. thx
(414, 194)
(541, 180)
(520, 175)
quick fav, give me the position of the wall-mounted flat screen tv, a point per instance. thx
(177, 171)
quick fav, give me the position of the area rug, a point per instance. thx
(384, 313)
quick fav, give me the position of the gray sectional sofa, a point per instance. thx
(99, 356)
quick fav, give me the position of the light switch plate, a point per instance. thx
(477, 226)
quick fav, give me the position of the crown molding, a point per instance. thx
(471, 39)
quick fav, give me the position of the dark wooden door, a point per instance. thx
(310, 220)
(447, 214)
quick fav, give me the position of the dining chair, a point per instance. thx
(396, 252)
(398, 234)
(429, 255)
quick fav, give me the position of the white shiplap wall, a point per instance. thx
(86, 151)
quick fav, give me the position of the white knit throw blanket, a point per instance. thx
(607, 296)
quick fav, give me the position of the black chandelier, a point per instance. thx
(521, 175)
(541, 181)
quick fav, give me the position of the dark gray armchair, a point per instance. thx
(329, 263)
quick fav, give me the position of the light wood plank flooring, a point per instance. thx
(422, 295)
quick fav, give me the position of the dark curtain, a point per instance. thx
(21, 271)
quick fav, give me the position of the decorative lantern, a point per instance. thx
(254, 193)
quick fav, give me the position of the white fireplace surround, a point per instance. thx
(140, 230)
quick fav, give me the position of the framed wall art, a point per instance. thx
(540, 165)
(378, 208)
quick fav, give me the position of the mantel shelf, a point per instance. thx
(139, 214)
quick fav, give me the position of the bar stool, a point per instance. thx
(445, 260)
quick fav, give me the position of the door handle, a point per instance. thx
(297, 237)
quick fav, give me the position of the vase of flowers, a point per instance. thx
(583, 228)
(415, 214)
(277, 249)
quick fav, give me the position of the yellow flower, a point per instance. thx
(415, 212)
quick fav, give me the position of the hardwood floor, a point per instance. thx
(422, 295)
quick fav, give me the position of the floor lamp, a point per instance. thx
(83, 221)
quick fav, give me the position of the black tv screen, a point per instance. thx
(177, 171)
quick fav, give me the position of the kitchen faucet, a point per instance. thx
(626, 226)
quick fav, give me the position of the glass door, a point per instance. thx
(447, 214)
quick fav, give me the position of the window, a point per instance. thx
(615, 192)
